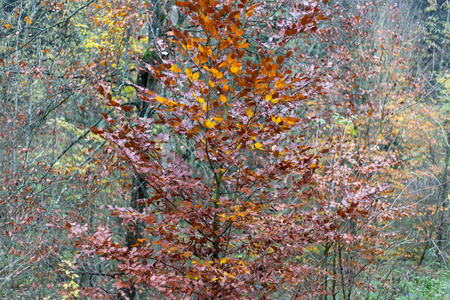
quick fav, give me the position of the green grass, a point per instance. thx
(410, 284)
(427, 287)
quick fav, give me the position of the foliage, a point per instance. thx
(222, 149)
(237, 218)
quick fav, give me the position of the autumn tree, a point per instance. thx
(238, 197)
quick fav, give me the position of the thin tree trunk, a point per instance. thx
(444, 199)
(341, 269)
(325, 254)
(333, 286)
(422, 256)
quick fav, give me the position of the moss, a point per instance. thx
(149, 55)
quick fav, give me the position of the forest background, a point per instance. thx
(224, 149)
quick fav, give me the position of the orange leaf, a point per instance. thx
(280, 60)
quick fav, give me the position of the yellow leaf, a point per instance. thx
(211, 84)
(280, 83)
(223, 260)
(217, 73)
(277, 119)
(229, 274)
(268, 97)
(201, 100)
(189, 72)
(243, 45)
(249, 112)
(259, 146)
(8, 26)
(223, 98)
(218, 119)
(235, 68)
(210, 124)
(161, 99)
(270, 250)
(195, 76)
(175, 69)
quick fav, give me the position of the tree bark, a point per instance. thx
(139, 184)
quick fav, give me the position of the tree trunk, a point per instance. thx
(139, 184)
(441, 207)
